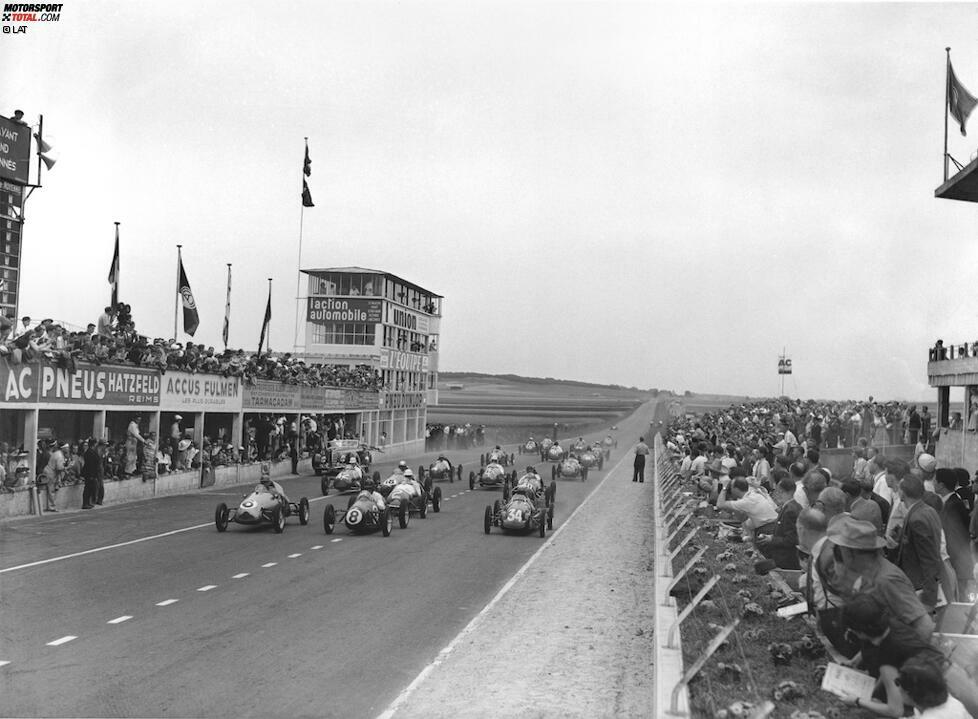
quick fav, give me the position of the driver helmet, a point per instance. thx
(368, 484)
(498, 447)
(402, 465)
(408, 473)
(531, 470)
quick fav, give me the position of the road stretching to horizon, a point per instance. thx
(192, 622)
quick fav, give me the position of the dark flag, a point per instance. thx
(267, 320)
(227, 312)
(114, 269)
(959, 101)
(306, 196)
(190, 317)
(307, 163)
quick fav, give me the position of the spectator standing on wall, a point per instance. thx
(641, 452)
(105, 322)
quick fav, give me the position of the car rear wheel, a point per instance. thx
(324, 485)
(386, 522)
(550, 517)
(487, 525)
(436, 499)
(278, 519)
(221, 517)
(329, 519)
(584, 474)
(506, 491)
(543, 526)
(551, 493)
(303, 511)
(403, 516)
(376, 477)
(471, 480)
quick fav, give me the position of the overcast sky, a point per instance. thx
(644, 194)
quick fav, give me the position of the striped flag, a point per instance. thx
(227, 311)
(114, 269)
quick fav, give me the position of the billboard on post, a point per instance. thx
(15, 151)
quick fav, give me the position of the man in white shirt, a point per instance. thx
(760, 509)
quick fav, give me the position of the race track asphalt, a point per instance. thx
(159, 615)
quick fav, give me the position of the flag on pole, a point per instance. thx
(959, 101)
(267, 320)
(306, 196)
(307, 163)
(190, 317)
(114, 270)
(227, 312)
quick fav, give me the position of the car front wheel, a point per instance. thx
(278, 519)
(329, 519)
(303, 511)
(221, 517)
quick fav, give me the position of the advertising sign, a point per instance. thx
(406, 361)
(271, 396)
(784, 366)
(402, 400)
(15, 151)
(325, 310)
(44, 383)
(199, 393)
(407, 319)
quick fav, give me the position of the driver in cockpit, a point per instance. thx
(369, 492)
(530, 483)
(265, 484)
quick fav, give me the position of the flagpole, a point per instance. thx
(947, 102)
(298, 262)
(268, 337)
(177, 305)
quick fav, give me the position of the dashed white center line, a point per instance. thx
(338, 539)
(3, 664)
(240, 576)
(270, 564)
(318, 546)
(206, 587)
(167, 602)
(63, 640)
(293, 556)
(119, 620)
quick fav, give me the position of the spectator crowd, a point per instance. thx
(114, 340)
(879, 551)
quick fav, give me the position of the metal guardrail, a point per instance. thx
(671, 694)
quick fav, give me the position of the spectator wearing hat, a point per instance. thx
(859, 567)
(954, 520)
(133, 440)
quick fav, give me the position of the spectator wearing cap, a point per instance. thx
(927, 464)
(954, 520)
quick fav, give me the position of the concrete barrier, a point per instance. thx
(20, 503)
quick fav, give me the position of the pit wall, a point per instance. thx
(21, 502)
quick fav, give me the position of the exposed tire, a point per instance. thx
(376, 477)
(421, 472)
(552, 493)
(584, 474)
(600, 462)
(553, 472)
(471, 480)
(403, 516)
(550, 517)
(386, 522)
(487, 525)
(543, 527)
(329, 519)
(278, 520)
(496, 506)
(303, 511)
(436, 500)
(324, 485)
(221, 517)
(423, 509)
(426, 485)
